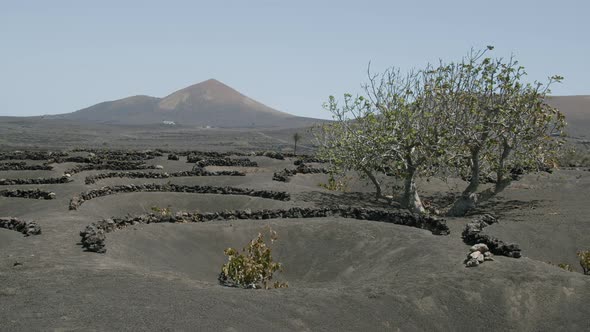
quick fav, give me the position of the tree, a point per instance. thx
(411, 132)
(499, 124)
(475, 119)
(296, 138)
(346, 143)
(394, 130)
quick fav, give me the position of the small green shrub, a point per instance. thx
(565, 266)
(335, 184)
(585, 260)
(165, 212)
(254, 267)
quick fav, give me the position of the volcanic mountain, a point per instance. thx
(209, 103)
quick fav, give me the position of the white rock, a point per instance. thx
(159, 167)
(472, 263)
(481, 247)
(475, 255)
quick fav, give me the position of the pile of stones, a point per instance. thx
(478, 253)
(286, 174)
(78, 200)
(472, 234)
(93, 236)
(26, 227)
(10, 182)
(22, 166)
(91, 179)
(28, 193)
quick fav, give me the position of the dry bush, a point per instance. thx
(253, 267)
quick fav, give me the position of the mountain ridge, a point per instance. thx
(210, 103)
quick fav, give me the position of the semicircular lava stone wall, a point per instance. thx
(22, 166)
(111, 165)
(197, 171)
(121, 155)
(26, 227)
(472, 235)
(308, 159)
(31, 155)
(76, 201)
(286, 174)
(94, 235)
(28, 193)
(201, 161)
(11, 182)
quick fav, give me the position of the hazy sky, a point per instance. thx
(59, 56)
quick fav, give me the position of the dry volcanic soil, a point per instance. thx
(351, 263)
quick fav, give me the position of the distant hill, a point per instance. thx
(577, 114)
(209, 103)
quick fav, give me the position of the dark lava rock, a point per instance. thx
(93, 236)
(26, 227)
(472, 235)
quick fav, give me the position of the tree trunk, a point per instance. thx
(501, 181)
(378, 192)
(468, 199)
(295, 148)
(411, 199)
(474, 181)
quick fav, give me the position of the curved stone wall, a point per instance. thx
(286, 174)
(27, 193)
(26, 227)
(111, 165)
(78, 200)
(10, 182)
(94, 235)
(31, 155)
(472, 235)
(22, 166)
(154, 175)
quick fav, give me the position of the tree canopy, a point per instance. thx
(475, 119)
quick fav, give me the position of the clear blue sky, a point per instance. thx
(59, 56)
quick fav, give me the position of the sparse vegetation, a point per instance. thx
(167, 211)
(335, 183)
(253, 267)
(564, 266)
(584, 256)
